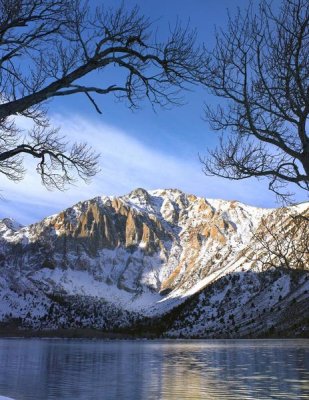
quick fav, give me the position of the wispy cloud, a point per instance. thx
(126, 163)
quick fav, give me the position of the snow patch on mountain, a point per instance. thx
(142, 254)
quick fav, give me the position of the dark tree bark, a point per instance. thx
(259, 67)
(48, 47)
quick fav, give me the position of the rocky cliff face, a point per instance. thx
(109, 261)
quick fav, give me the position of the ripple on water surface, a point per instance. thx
(85, 370)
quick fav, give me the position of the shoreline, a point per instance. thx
(100, 335)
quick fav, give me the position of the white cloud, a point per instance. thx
(126, 163)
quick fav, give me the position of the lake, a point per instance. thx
(60, 369)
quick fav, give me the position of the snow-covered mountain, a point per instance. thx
(194, 264)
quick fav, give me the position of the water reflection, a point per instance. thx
(85, 370)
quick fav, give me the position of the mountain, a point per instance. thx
(158, 261)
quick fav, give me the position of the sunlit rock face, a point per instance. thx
(105, 261)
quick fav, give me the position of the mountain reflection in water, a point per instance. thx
(84, 370)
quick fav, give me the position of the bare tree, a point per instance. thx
(48, 47)
(260, 68)
(282, 240)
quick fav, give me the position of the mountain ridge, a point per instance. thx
(136, 256)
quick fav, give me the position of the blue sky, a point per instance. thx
(140, 148)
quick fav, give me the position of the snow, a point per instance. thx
(6, 398)
(83, 283)
(300, 208)
(132, 279)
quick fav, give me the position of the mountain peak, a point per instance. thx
(145, 252)
(139, 193)
(10, 223)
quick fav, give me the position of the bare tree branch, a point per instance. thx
(260, 67)
(282, 240)
(49, 47)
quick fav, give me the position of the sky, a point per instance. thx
(142, 148)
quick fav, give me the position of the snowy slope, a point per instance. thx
(110, 261)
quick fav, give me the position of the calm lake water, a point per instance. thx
(37, 369)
